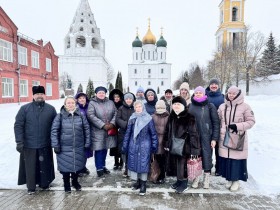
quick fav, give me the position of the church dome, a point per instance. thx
(149, 38)
(161, 42)
(137, 42)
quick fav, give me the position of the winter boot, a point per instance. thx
(100, 173)
(116, 165)
(206, 180)
(66, 181)
(106, 171)
(176, 184)
(182, 187)
(142, 187)
(195, 182)
(31, 192)
(228, 184)
(75, 182)
(136, 185)
(235, 186)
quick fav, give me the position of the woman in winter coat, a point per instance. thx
(208, 124)
(101, 115)
(238, 117)
(123, 115)
(139, 142)
(70, 136)
(181, 124)
(82, 103)
(151, 100)
(185, 92)
(160, 118)
(117, 97)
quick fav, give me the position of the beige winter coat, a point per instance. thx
(244, 119)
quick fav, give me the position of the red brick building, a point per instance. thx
(25, 62)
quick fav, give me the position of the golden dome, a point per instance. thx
(149, 38)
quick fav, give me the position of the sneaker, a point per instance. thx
(100, 173)
(106, 171)
(206, 181)
(31, 192)
(195, 182)
(228, 184)
(182, 187)
(176, 184)
(235, 186)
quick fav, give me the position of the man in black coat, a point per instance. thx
(32, 132)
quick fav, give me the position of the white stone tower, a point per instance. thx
(84, 51)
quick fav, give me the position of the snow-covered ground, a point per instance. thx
(264, 143)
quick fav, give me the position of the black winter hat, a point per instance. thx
(168, 91)
(179, 99)
(100, 88)
(38, 89)
(214, 80)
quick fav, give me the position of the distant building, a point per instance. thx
(84, 50)
(232, 24)
(25, 62)
(149, 68)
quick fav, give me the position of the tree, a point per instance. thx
(80, 88)
(90, 89)
(110, 74)
(196, 78)
(158, 90)
(111, 87)
(183, 77)
(269, 63)
(64, 81)
(118, 84)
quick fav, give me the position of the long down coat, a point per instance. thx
(72, 135)
(241, 114)
(100, 112)
(208, 126)
(139, 150)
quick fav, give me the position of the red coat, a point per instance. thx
(243, 118)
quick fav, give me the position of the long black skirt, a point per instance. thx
(233, 170)
(36, 167)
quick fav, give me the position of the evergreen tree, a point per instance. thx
(196, 78)
(158, 90)
(117, 80)
(269, 63)
(90, 89)
(80, 88)
(118, 84)
(111, 87)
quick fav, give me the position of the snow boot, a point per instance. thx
(176, 184)
(195, 182)
(206, 180)
(142, 188)
(75, 182)
(228, 184)
(66, 182)
(182, 187)
(235, 186)
(136, 185)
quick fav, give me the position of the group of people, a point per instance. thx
(137, 129)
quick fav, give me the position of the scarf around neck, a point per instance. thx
(142, 119)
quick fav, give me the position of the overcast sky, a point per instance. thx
(189, 26)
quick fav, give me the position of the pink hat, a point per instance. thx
(233, 89)
(200, 89)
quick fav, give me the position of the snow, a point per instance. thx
(264, 144)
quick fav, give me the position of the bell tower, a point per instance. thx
(231, 23)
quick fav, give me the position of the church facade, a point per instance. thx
(84, 50)
(149, 68)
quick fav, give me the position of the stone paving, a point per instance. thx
(114, 192)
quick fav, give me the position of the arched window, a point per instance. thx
(92, 30)
(90, 22)
(234, 14)
(80, 41)
(94, 43)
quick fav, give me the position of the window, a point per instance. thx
(92, 30)
(149, 82)
(6, 52)
(82, 20)
(135, 83)
(160, 55)
(162, 83)
(81, 29)
(35, 83)
(221, 17)
(135, 71)
(234, 14)
(235, 40)
(35, 59)
(23, 88)
(162, 71)
(22, 55)
(48, 65)
(7, 87)
(148, 55)
(80, 41)
(49, 89)
(90, 22)
(149, 71)
(136, 56)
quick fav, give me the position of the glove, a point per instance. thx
(19, 147)
(57, 150)
(233, 127)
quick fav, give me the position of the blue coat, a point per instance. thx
(139, 151)
(216, 98)
(71, 133)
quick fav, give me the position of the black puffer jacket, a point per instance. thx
(70, 133)
(208, 125)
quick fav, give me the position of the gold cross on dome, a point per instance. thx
(149, 22)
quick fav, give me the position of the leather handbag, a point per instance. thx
(194, 166)
(155, 171)
(177, 146)
(112, 132)
(234, 143)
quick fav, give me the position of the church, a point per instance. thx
(84, 50)
(149, 68)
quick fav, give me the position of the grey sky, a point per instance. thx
(189, 26)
